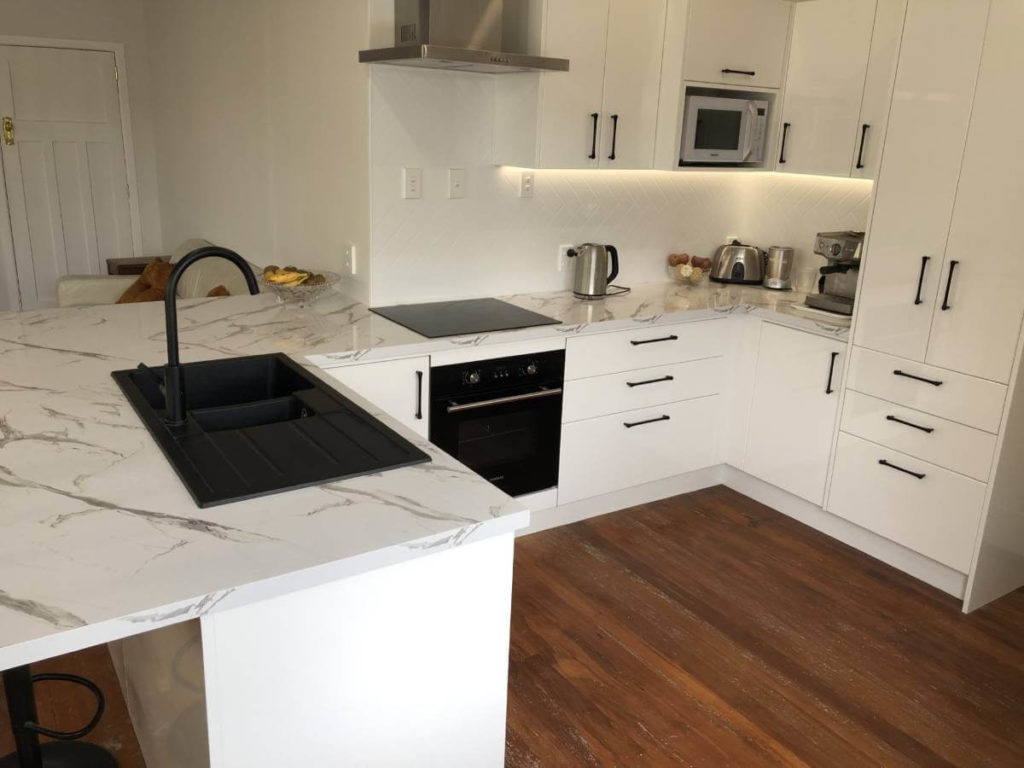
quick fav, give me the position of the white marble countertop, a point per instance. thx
(100, 539)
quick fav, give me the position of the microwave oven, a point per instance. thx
(723, 129)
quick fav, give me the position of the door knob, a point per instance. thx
(8, 131)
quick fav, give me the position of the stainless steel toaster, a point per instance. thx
(738, 263)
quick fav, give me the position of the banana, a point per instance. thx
(287, 277)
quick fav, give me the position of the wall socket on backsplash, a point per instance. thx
(563, 257)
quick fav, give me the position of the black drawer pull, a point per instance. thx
(593, 140)
(920, 279)
(918, 475)
(831, 373)
(933, 382)
(785, 133)
(627, 425)
(419, 394)
(863, 135)
(615, 135)
(673, 337)
(750, 72)
(949, 284)
(898, 420)
(649, 381)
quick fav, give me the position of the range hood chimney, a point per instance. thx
(462, 35)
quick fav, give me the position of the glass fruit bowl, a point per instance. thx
(305, 292)
(688, 270)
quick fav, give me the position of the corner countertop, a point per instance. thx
(100, 540)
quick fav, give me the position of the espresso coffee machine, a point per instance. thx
(837, 285)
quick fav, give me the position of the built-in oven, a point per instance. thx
(723, 129)
(502, 418)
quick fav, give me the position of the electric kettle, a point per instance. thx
(593, 276)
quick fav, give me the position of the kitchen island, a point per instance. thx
(371, 614)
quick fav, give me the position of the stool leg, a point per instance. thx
(21, 705)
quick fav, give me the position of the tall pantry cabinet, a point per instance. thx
(937, 335)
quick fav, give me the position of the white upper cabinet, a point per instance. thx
(794, 410)
(842, 63)
(603, 112)
(975, 331)
(924, 145)
(737, 42)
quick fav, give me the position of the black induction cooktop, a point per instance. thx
(459, 318)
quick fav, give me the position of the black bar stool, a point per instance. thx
(63, 753)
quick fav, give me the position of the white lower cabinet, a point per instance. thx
(609, 453)
(920, 505)
(401, 388)
(793, 412)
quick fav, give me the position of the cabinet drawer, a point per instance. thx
(618, 392)
(644, 347)
(936, 515)
(603, 454)
(953, 446)
(964, 399)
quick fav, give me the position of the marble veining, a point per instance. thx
(100, 537)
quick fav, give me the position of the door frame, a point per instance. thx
(7, 261)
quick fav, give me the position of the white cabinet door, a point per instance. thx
(400, 388)
(976, 330)
(828, 61)
(738, 42)
(569, 133)
(793, 415)
(924, 144)
(881, 72)
(632, 75)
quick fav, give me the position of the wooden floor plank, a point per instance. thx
(710, 630)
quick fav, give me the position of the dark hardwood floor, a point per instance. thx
(709, 630)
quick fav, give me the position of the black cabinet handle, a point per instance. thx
(593, 139)
(615, 135)
(910, 424)
(419, 394)
(918, 475)
(831, 372)
(749, 72)
(949, 284)
(863, 135)
(649, 381)
(933, 382)
(920, 279)
(627, 425)
(782, 150)
(673, 337)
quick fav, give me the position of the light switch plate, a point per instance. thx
(456, 183)
(412, 183)
(526, 180)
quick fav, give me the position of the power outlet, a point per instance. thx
(563, 257)
(350, 264)
(526, 182)
(412, 183)
(456, 183)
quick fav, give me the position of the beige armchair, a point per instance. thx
(198, 280)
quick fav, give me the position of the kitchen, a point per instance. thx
(373, 614)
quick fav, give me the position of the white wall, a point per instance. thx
(492, 242)
(105, 21)
(263, 127)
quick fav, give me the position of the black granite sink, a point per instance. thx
(259, 425)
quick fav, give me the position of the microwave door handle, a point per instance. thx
(748, 131)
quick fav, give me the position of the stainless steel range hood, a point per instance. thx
(486, 36)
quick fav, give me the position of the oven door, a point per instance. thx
(510, 439)
(717, 130)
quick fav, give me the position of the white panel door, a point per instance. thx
(793, 414)
(65, 172)
(636, 40)
(878, 82)
(739, 42)
(924, 144)
(570, 102)
(828, 61)
(981, 294)
(400, 388)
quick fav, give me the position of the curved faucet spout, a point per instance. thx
(174, 389)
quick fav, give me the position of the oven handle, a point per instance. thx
(503, 400)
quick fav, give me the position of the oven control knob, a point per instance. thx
(474, 377)
(531, 369)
